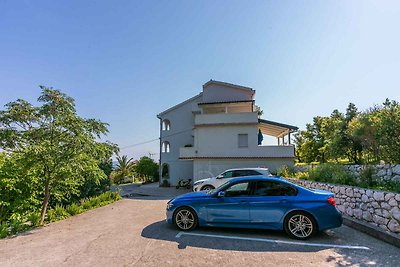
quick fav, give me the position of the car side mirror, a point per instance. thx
(221, 194)
(220, 176)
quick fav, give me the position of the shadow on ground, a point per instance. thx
(343, 257)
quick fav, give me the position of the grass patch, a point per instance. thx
(58, 213)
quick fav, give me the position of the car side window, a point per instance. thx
(253, 172)
(272, 188)
(238, 190)
(239, 173)
(228, 174)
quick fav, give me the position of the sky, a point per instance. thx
(126, 61)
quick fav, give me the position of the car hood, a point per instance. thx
(192, 195)
(203, 180)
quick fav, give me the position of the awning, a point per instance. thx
(275, 129)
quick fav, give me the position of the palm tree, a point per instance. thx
(124, 166)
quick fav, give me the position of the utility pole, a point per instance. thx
(151, 155)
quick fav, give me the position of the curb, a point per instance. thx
(372, 230)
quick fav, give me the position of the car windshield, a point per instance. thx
(216, 189)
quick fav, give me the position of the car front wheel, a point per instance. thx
(207, 187)
(300, 225)
(185, 219)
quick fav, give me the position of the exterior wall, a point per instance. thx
(215, 93)
(372, 206)
(223, 140)
(386, 172)
(179, 135)
(203, 168)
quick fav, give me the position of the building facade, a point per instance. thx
(219, 129)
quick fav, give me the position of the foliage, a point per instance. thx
(331, 173)
(286, 171)
(124, 168)
(58, 213)
(53, 150)
(147, 169)
(335, 174)
(368, 136)
(106, 166)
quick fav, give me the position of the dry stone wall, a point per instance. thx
(378, 208)
(386, 172)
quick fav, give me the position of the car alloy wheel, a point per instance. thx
(207, 188)
(300, 225)
(185, 219)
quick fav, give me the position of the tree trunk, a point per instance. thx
(45, 201)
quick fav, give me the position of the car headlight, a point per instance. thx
(169, 205)
(197, 183)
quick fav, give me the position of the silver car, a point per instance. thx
(214, 182)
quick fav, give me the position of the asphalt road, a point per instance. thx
(132, 232)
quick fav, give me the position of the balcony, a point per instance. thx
(226, 118)
(254, 152)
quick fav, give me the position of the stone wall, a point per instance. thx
(386, 172)
(378, 208)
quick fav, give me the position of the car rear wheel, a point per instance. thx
(300, 225)
(207, 187)
(185, 219)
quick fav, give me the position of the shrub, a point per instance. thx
(73, 209)
(56, 214)
(367, 177)
(331, 173)
(286, 171)
(4, 229)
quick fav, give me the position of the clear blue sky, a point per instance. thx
(126, 61)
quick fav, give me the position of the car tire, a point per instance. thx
(207, 187)
(300, 225)
(185, 219)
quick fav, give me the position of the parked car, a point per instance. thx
(257, 202)
(214, 182)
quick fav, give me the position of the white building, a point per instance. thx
(216, 130)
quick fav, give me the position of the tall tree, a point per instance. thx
(53, 140)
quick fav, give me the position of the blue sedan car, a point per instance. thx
(257, 202)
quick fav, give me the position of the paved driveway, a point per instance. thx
(132, 232)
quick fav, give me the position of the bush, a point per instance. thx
(56, 214)
(368, 178)
(73, 209)
(331, 173)
(286, 171)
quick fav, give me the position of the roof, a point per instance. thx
(228, 85)
(276, 129)
(179, 105)
(225, 102)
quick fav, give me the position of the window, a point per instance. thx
(238, 190)
(166, 125)
(165, 147)
(240, 173)
(271, 188)
(243, 140)
(165, 171)
(228, 174)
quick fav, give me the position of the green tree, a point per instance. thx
(147, 168)
(56, 144)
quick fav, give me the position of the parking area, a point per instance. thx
(132, 232)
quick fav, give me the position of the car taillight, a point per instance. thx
(331, 201)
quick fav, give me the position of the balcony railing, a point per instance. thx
(256, 152)
(226, 118)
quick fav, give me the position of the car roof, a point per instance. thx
(257, 178)
(238, 169)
